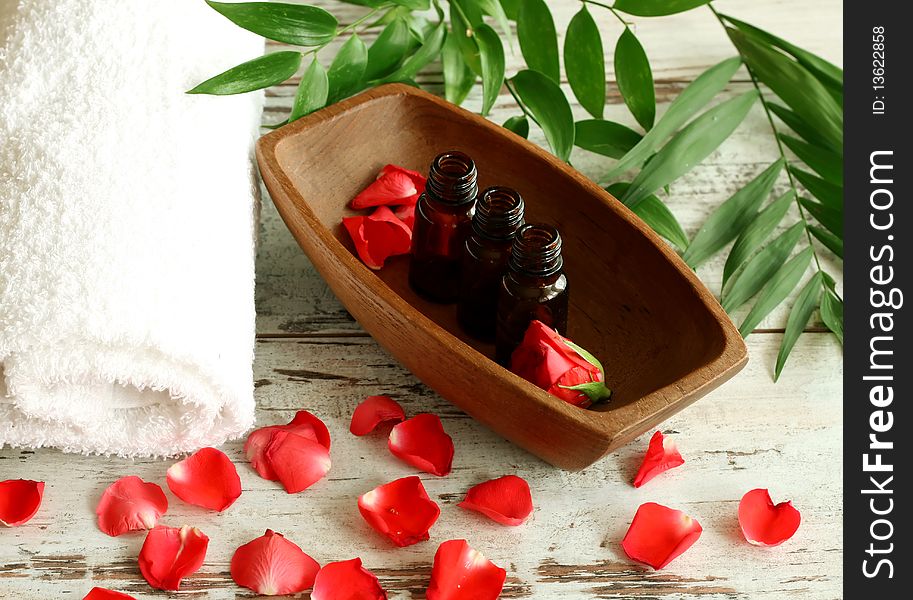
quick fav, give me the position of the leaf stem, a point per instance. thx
(353, 25)
(611, 9)
(463, 16)
(510, 88)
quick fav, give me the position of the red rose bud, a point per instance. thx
(559, 367)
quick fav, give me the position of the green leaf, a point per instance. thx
(494, 9)
(656, 214)
(492, 53)
(587, 356)
(776, 290)
(761, 268)
(656, 8)
(595, 391)
(826, 163)
(793, 121)
(262, 72)
(312, 91)
(347, 70)
(512, 8)
(827, 216)
(388, 50)
(830, 241)
(605, 137)
(458, 77)
(832, 310)
(635, 79)
(464, 34)
(538, 38)
(295, 24)
(427, 52)
(414, 4)
(829, 194)
(799, 316)
(519, 125)
(691, 100)
(751, 238)
(548, 106)
(690, 146)
(794, 85)
(584, 62)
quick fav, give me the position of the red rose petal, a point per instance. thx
(422, 442)
(169, 554)
(506, 500)
(400, 510)
(304, 424)
(98, 593)
(462, 573)
(661, 455)
(406, 214)
(658, 534)
(765, 523)
(130, 504)
(378, 236)
(347, 580)
(19, 500)
(394, 185)
(373, 411)
(298, 462)
(206, 478)
(273, 566)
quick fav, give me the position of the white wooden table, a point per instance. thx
(310, 354)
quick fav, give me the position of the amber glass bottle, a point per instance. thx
(443, 221)
(498, 217)
(534, 287)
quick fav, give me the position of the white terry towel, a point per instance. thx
(126, 227)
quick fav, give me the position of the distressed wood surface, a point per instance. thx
(310, 354)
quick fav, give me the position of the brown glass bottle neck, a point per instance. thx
(453, 179)
(536, 251)
(499, 214)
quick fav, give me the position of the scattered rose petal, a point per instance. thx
(661, 455)
(98, 593)
(304, 424)
(19, 500)
(463, 573)
(170, 554)
(406, 213)
(400, 510)
(273, 566)
(298, 462)
(378, 236)
(130, 504)
(206, 478)
(373, 411)
(422, 442)
(394, 185)
(765, 523)
(506, 500)
(658, 534)
(347, 580)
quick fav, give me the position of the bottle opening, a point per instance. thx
(453, 177)
(537, 250)
(499, 213)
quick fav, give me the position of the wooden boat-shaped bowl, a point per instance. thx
(661, 335)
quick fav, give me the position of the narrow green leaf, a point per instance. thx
(368, 3)
(494, 9)
(584, 62)
(799, 316)
(793, 121)
(545, 100)
(605, 137)
(751, 238)
(296, 24)
(690, 146)
(428, 51)
(463, 31)
(825, 162)
(538, 38)
(512, 8)
(262, 72)
(635, 78)
(388, 50)
(414, 4)
(492, 53)
(831, 195)
(777, 289)
(760, 268)
(830, 241)
(312, 91)
(691, 100)
(347, 71)
(794, 85)
(656, 214)
(519, 125)
(827, 216)
(656, 8)
(458, 77)
(832, 312)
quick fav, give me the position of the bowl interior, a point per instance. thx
(630, 306)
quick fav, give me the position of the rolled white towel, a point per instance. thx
(126, 227)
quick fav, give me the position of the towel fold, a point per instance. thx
(126, 228)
